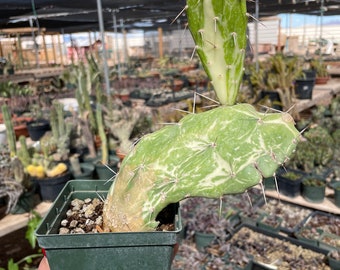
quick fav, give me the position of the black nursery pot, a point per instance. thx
(304, 88)
(50, 187)
(37, 129)
(287, 186)
(274, 97)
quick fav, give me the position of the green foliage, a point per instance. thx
(292, 175)
(33, 223)
(10, 89)
(314, 182)
(316, 150)
(278, 73)
(319, 66)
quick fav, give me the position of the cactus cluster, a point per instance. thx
(222, 151)
(87, 78)
(9, 186)
(54, 148)
(59, 143)
(37, 164)
(315, 150)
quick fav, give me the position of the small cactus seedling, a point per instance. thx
(222, 151)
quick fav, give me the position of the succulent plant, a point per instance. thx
(315, 151)
(222, 151)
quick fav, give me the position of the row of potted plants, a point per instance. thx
(280, 80)
(314, 167)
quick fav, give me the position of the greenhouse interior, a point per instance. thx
(228, 110)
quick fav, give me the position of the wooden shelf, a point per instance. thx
(327, 205)
(11, 223)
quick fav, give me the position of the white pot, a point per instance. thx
(3, 134)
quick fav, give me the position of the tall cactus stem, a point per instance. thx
(11, 138)
(102, 134)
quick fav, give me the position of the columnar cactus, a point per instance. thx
(219, 31)
(102, 135)
(9, 130)
(61, 132)
(222, 151)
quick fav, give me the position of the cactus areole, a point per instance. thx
(222, 151)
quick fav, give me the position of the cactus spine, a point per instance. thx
(222, 151)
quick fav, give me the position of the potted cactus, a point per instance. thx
(47, 164)
(39, 125)
(319, 66)
(289, 182)
(15, 183)
(225, 150)
(313, 189)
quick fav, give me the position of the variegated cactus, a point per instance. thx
(219, 31)
(222, 151)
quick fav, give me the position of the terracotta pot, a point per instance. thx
(20, 126)
(321, 80)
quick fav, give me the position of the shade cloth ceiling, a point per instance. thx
(81, 15)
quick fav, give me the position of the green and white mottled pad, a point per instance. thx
(222, 151)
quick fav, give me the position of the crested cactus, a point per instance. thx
(222, 151)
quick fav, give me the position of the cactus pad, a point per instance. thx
(222, 151)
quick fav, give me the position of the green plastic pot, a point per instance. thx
(333, 263)
(202, 239)
(336, 188)
(269, 183)
(329, 241)
(261, 223)
(87, 171)
(312, 240)
(106, 172)
(131, 251)
(313, 194)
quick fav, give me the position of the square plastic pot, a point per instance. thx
(135, 250)
(289, 187)
(283, 238)
(329, 241)
(261, 223)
